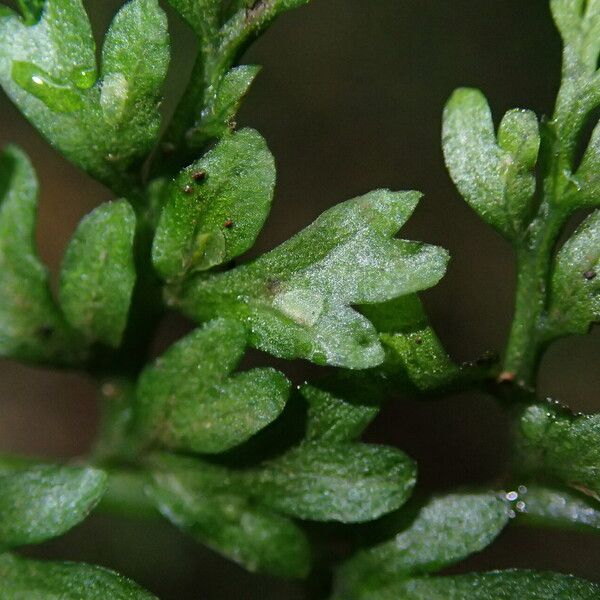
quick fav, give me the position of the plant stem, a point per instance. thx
(535, 252)
(126, 495)
(533, 274)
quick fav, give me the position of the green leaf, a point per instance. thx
(41, 64)
(98, 273)
(495, 176)
(558, 507)
(187, 399)
(49, 71)
(296, 299)
(22, 579)
(568, 15)
(350, 483)
(332, 419)
(45, 501)
(446, 530)
(423, 359)
(218, 118)
(587, 179)
(579, 24)
(31, 326)
(135, 58)
(551, 442)
(227, 521)
(413, 350)
(400, 315)
(415, 358)
(216, 207)
(495, 585)
(575, 288)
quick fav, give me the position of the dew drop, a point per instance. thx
(512, 496)
(54, 94)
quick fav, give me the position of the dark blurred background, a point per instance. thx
(350, 99)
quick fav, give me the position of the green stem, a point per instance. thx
(219, 51)
(126, 495)
(534, 261)
(534, 255)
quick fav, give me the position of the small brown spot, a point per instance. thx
(228, 224)
(418, 341)
(506, 377)
(589, 275)
(199, 175)
(188, 189)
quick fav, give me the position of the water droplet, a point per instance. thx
(522, 490)
(55, 95)
(512, 514)
(84, 78)
(521, 506)
(512, 496)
